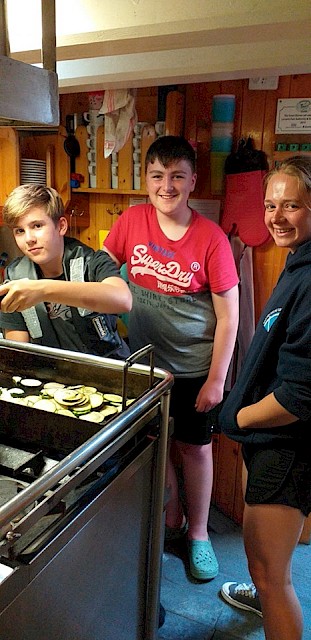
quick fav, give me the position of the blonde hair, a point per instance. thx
(29, 196)
(299, 167)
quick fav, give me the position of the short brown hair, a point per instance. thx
(170, 149)
(28, 196)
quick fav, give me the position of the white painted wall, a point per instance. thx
(111, 43)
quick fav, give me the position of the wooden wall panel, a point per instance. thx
(198, 110)
(192, 99)
(9, 162)
(268, 138)
(81, 161)
(215, 444)
(146, 101)
(253, 111)
(268, 261)
(225, 479)
(148, 136)
(103, 165)
(300, 86)
(72, 103)
(125, 168)
(104, 211)
(235, 87)
(62, 168)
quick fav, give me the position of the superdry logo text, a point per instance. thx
(271, 318)
(144, 264)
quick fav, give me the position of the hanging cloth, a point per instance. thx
(243, 213)
(120, 118)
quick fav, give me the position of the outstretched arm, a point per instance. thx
(112, 295)
(18, 336)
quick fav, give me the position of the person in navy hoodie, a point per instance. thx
(269, 412)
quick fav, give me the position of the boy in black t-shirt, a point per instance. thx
(60, 293)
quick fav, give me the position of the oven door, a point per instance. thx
(93, 570)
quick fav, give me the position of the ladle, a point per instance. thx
(71, 144)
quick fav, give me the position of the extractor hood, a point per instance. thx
(29, 94)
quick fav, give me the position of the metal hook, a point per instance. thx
(76, 213)
(115, 211)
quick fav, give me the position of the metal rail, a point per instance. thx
(88, 449)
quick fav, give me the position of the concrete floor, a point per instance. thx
(195, 611)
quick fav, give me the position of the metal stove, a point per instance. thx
(81, 504)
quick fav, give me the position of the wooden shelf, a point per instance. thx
(119, 192)
(282, 155)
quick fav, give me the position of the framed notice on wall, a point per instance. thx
(293, 115)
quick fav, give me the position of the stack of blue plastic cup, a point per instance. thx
(223, 109)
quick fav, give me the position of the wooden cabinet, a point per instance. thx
(16, 145)
(9, 162)
(49, 147)
(227, 489)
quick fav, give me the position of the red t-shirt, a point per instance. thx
(201, 260)
(171, 282)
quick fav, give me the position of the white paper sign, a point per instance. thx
(137, 200)
(293, 115)
(208, 208)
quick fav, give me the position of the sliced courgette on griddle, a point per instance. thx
(90, 390)
(65, 412)
(109, 411)
(93, 416)
(46, 405)
(75, 401)
(53, 385)
(68, 396)
(31, 400)
(96, 399)
(16, 392)
(30, 383)
(82, 411)
(113, 398)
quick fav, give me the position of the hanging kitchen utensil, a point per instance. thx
(71, 144)
(246, 158)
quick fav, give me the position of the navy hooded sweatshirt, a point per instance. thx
(279, 359)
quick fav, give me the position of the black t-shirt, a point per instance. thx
(101, 266)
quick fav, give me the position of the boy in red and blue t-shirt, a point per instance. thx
(184, 284)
